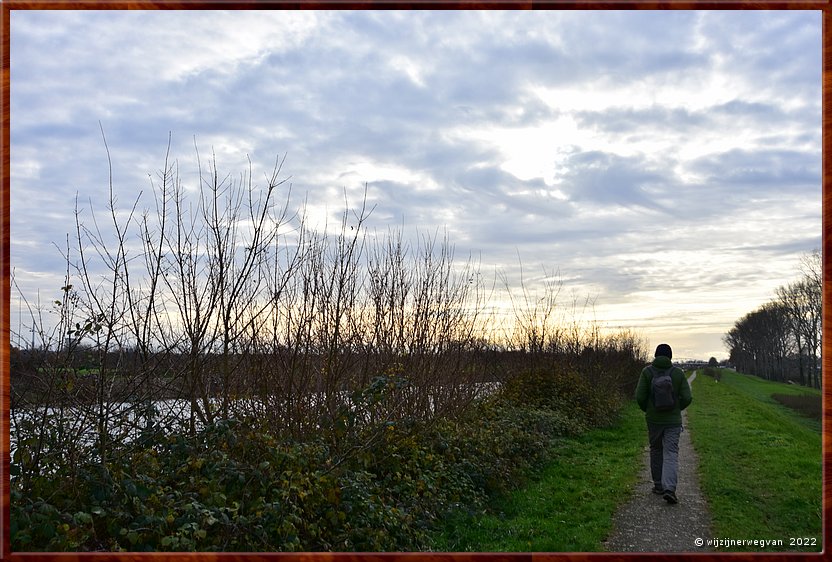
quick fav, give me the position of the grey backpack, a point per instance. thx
(664, 400)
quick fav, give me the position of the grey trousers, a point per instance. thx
(664, 455)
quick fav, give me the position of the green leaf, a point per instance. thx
(83, 517)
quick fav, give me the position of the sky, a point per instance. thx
(665, 165)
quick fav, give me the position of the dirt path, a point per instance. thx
(649, 524)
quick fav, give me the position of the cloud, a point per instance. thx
(606, 179)
(762, 171)
(630, 120)
(567, 139)
(773, 57)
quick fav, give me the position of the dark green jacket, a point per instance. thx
(681, 389)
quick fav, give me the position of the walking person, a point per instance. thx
(662, 393)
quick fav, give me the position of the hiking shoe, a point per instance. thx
(670, 497)
(658, 491)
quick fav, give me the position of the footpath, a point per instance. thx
(649, 524)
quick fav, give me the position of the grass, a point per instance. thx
(764, 391)
(568, 506)
(760, 462)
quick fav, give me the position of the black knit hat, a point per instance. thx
(664, 350)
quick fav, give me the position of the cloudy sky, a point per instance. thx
(666, 164)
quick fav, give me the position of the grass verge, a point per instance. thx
(568, 505)
(760, 462)
(763, 390)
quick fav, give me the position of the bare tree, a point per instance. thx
(536, 328)
(812, 292)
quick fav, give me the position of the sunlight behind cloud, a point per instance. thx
(528, 152)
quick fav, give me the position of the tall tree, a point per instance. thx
(760, 342)
(769, 341)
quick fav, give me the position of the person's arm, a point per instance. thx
(643, 391)
(685, 397)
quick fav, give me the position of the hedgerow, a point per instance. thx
(234, 486)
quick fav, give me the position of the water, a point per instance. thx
(127, 420)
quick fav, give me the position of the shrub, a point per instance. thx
(234, 489)
(564, 390)
(235, 486)
(809, 406)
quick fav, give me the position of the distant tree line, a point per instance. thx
(781, 340)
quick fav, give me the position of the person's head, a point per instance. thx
(664, 351)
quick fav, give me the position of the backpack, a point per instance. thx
(664, 400)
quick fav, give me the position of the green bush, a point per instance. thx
(230, 489)
(498, 442)
(564, 390)
(225, 489)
